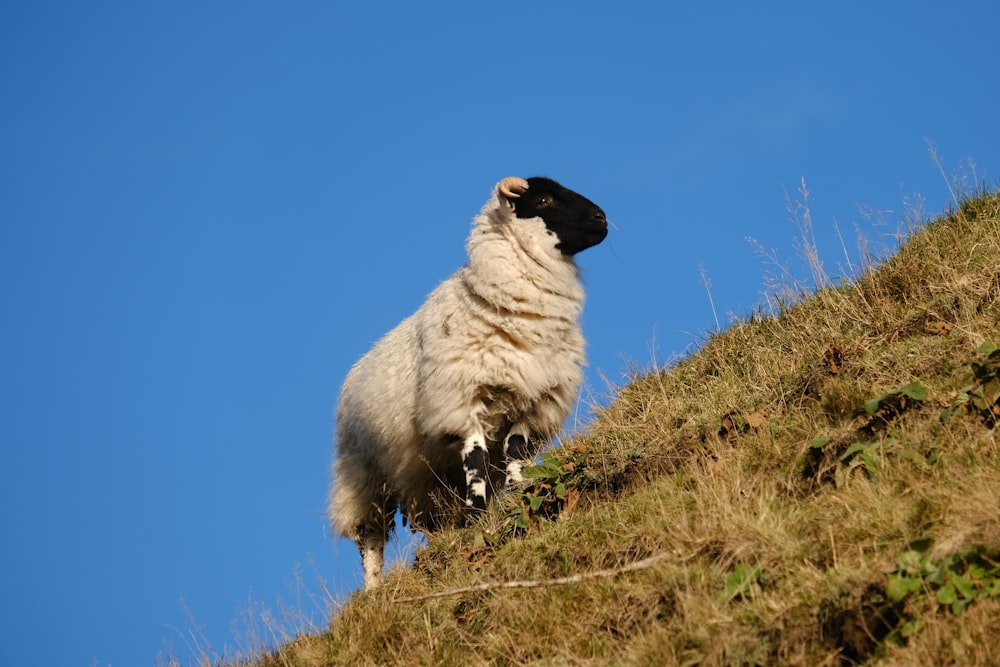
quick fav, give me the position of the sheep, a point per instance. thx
(485, 371)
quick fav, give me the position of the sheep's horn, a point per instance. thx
(512, 187)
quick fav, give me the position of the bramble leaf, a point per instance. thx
(946, 595)
(900, 586)
(820, 442)
(986, 349)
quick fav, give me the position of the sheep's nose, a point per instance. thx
(599, 216)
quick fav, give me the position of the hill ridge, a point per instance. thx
(820, 486)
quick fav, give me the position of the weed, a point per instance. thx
(885, 408)
(743, 582)
(869, 456)
(894, 400)
(550, 489)
(982, 395)
(866, 455)
(951, 582)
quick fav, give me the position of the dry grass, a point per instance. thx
(773, 539)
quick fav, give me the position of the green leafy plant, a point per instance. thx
(820, 442)
(743, 582)
(549, 489)
(866, 455)
(893, 401)
(982, 395)
(833, 461)
(551, 482)
(952, 582)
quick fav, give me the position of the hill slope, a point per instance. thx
(817, 487)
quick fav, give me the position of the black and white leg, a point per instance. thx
(474, 461)
(517, 452)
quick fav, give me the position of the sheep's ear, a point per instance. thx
(510, 189)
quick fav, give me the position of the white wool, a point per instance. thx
(496, 344)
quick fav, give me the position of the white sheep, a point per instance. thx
(486, 371)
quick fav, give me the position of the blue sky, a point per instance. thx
(209, 211)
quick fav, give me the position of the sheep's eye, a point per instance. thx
(544, 201)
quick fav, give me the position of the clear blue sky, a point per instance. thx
(209, 211)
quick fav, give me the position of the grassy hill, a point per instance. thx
(820, 486)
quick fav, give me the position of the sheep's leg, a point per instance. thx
(372, 556)
(517, 452)
(474, 461)
(373, 533)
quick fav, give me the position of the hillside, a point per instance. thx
(815, 487)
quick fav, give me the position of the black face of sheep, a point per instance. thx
(576, 221)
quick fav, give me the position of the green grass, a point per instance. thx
(819, 485)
